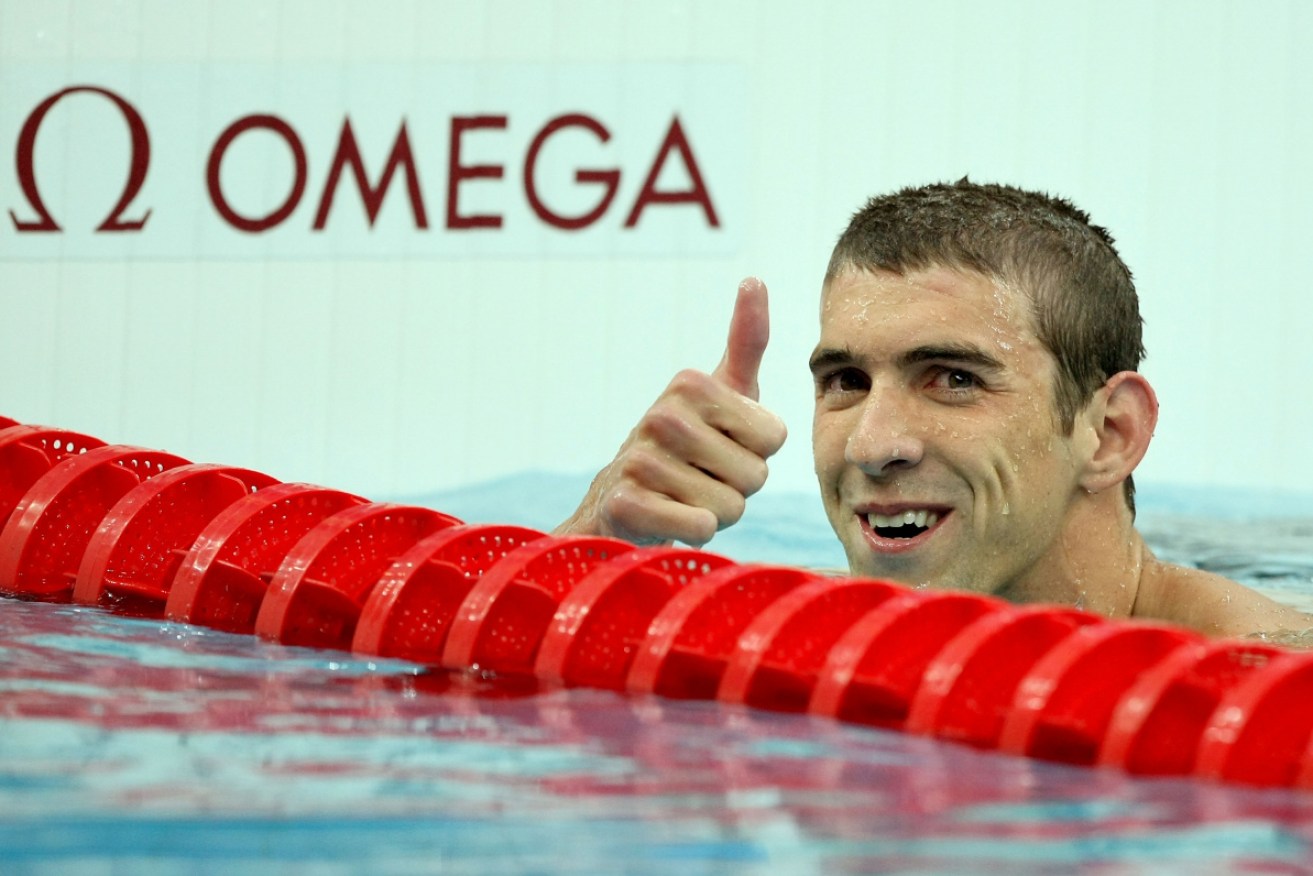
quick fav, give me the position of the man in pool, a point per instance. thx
(978, 417)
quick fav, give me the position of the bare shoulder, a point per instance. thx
(1216, 606)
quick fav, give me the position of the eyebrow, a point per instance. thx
(825, 358)
(968, 354)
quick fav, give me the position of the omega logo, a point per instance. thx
(401, 164)
(25, 159)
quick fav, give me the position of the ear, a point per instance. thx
(1122, 416)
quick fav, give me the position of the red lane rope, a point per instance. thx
(147, 533)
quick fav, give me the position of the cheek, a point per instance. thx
(1023, 437)
(994, 462)
(1037, 457)
(829, 445)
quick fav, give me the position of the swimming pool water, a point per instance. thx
(131, 746)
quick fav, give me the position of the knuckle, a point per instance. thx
(701, 528)
(621, 503)
(775, 433)
(765, 441)
(690, 383)
(755, 474)
(732, 509)
(665, 426)
(628, 512)
(641, 466)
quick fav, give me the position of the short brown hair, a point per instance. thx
(1082, 296)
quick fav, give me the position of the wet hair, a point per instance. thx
(1081, 293)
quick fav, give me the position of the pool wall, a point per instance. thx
(263, 294)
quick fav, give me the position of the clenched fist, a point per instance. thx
(686, 470)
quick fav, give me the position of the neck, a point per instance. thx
(1099, 563)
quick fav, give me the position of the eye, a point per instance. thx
(843, 381)
(956, 380)
(959, 379)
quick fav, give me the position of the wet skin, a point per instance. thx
(934, 402)
(935, 396)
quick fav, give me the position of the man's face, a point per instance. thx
(940, 457)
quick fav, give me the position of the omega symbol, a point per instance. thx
(25, 159)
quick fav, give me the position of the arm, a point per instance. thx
(687, 468)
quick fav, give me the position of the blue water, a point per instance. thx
(140, 747)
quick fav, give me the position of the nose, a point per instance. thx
(884, 438)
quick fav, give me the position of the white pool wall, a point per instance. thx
(395, 360)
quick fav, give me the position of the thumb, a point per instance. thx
(749, 330)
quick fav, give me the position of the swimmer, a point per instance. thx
(979, 414)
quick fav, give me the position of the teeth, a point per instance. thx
(922, 519)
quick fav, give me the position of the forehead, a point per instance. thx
(934, 301)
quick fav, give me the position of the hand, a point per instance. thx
(686, 470)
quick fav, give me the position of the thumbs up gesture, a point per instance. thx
(686, 470)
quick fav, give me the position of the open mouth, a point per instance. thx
(903, 525)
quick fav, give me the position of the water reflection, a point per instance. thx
(131, 735)
(1271, 555)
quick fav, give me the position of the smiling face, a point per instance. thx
(937, 445)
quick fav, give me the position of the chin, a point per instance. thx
(900, 573)
(909, 576)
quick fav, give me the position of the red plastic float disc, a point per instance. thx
(777, 658)
(503, 618)
(28, 452)
(224, 576)
(409, 613)
(131, 559)
(970, 684)
(873, 671)
(1157, 725)
(316, 595)
(1261, 730)
(41, 546)
(1063, 705)
(689, 642)
(597, 627)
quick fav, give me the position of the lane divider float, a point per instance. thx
(146, 533)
